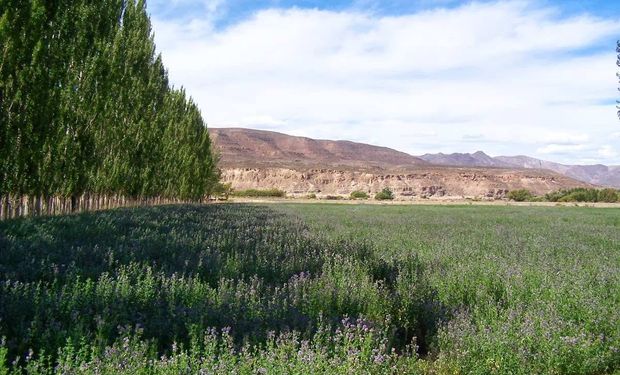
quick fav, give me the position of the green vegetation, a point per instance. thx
(313, 289)
(358, 194)
(524, 290)
(333, 197)
(521, 195)
(584, 195)
(608, 195)
(255, 193)
(86, 107)
(99, 289)
(222, 191)
(385, 194)
(568, 195)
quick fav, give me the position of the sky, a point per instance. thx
(523, 77)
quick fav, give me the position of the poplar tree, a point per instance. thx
(86, 106)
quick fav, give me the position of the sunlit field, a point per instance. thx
(312, 289)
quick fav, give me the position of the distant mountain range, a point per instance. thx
(249, 147)
(259, 149)
(594, 174)
(257, 159)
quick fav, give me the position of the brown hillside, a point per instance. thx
(262, 160)
(251, 148)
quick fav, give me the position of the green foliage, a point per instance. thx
(333, 197)
(385, 194)
(86, 107)
(521, 195)
(4, 369)
(312, 288)
(358, 194)
(554, 196)
(176, 271)
(584, 195)
(311, 196)
(222, 191)
(608, 195)
(255, 193)
(529, 290)
(353, 349)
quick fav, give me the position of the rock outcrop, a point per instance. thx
(421, 184)
(254, 159)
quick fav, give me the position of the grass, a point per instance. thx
(528, 289)
(313, 289)
(255, 193)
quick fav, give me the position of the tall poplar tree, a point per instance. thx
(86, 106)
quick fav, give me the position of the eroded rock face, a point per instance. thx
(433, 191)
(497, 193)
(256, 159)
(425, 183)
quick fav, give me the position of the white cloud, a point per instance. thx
(608, 152)
(264, 121)
(561, 138)
(559, 149)
(423, 82)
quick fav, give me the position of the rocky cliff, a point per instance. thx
(424, 183)
(253, 159)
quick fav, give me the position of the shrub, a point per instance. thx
(554, 196)
(333, 197)
(222, 191)
(358, 194)
(521, 195)
(311, 196)
(584, 195)
(255, 193)
(608, 196)
(577, 196)
(385, 194)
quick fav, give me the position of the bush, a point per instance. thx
(333, 197)
(608, 196)
(311, 196)
(521, 195)
(577, 196)
(255, 193)
(385, 194)
(222, 191)
(584, 195)
(554, 196)
(358, 194)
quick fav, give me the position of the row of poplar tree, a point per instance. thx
(86, 106)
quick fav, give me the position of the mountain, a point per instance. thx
(255, 159)
(597, 174)
(477, 159)
(593, 174)
(251, 147)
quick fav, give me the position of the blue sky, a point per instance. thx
(507, 77)
(231, 11)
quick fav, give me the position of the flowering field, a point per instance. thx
(312, 289)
